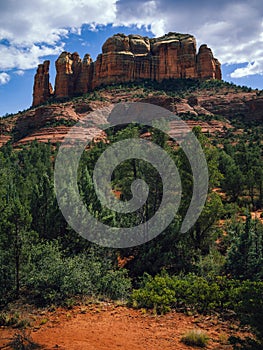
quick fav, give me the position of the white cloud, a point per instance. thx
(28, 22)
(142, 13)
(30, 30)
(250, 69)
(4, 78)
(24, 58)
(20, 73)
(232, 28)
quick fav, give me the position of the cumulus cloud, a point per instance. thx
(28, 22)
(232, 28)
(24, 57)
(30, 30)
(250, 69)
(4, 78)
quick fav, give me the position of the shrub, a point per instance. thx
(163, 292)
(156, 294)
(53, 278)
(244, 344)
(7, 319)
(200, 294)
(195, 338)
(115, 284)
(249, 306)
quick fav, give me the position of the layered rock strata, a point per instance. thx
(127, 59)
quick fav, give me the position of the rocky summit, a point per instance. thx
(127, 59)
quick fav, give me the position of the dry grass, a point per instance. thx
(195, 337)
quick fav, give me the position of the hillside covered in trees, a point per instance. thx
(215, 267)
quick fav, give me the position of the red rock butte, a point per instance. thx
(127, 59)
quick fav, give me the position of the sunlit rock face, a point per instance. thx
(127, 59)
(42, 87)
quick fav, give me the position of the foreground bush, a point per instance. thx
(164, 292)
(157, 293)
(52, 278)
(183, 292)
(249, 306)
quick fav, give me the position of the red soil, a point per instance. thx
(105, 326)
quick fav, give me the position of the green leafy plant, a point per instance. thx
(9, 319)
(163, 292)
(156, 294)
(249, 306)
(54, 278)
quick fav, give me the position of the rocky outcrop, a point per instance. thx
(42, 87)
(175, 56)
(255, 108)
(208, 67)
(127, 59)
(69, 68)
(84, 79)
(132, 58)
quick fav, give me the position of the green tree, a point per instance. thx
(18, 224)
(245, 255)
(233, 180)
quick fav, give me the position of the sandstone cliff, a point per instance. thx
(42, 87)
(127, 59)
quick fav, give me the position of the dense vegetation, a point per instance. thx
(212, 267)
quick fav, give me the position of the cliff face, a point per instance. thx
(126, 59)
(42, 88)
(207, 66)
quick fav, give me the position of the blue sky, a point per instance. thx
(32, 31)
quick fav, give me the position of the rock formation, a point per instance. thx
(42, 87)
(127, 59)
(207, 66)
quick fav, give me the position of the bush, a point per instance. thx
(195, 338)
(163, 292)
(249, 306)
(244, 344)
(53, 278)
(157, 293)
(115, 284)
(7, 319)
